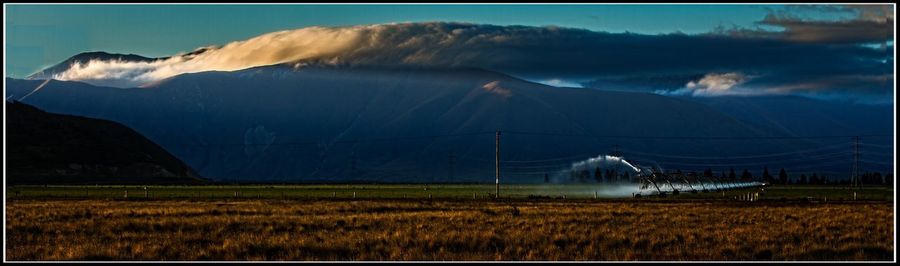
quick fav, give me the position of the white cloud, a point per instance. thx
(713, 84)
(411, 44)
(560, 83)
(267, 49)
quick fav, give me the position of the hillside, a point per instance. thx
(46, 148)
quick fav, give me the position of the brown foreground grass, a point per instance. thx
(445, 230)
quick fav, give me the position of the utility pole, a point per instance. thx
(856, 162)
(497, 165)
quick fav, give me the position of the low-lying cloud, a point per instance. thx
(558, 55)
(716, 84)
(272, 48)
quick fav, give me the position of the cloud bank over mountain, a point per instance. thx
(849, 56)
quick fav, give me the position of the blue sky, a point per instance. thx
(42, 35)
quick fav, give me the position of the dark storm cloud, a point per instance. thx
(866, 24)
(871, 24)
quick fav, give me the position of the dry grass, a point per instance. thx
(450, 230)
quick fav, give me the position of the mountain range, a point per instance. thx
(321, 123)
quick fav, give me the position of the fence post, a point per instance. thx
(354, 194)
(126, 193)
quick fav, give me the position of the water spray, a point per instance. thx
(645, 181)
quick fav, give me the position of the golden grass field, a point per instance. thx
(445, 230)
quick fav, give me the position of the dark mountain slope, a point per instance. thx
(47, 148)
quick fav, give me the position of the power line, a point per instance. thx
(832, 157)
(841, 145)
(821, 168)
(861, 144)
(411, 138)
(772, 159)
(289, 143)
(543, 164)
(552, 159)
(870, 154)
(874, 162)
(537, 167)
(695, 137)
